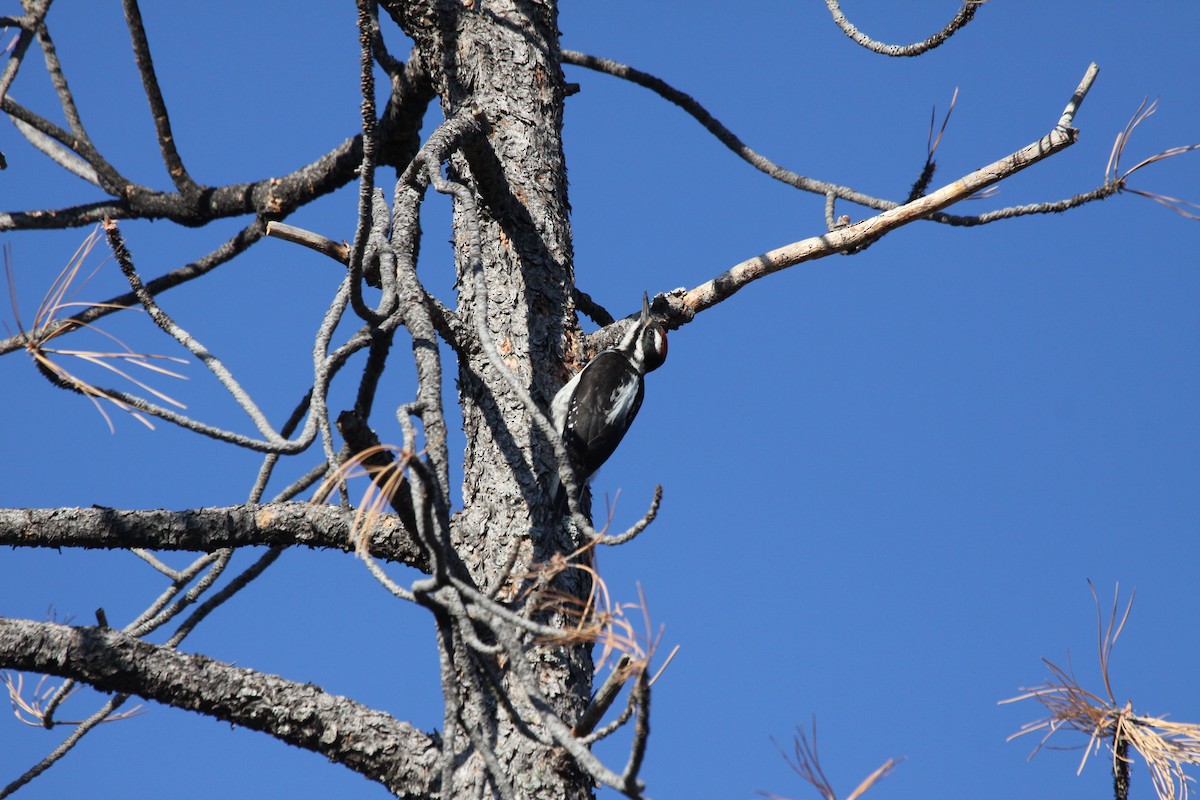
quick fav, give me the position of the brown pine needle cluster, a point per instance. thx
(1166, 746)
(597, 619)
(32, 711)
(48, 324)
(385, 464)
(1114, 176)
(806, 763)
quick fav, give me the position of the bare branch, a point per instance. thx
(239, 243)
(102, 714)
(632, 532)
(164, 321)
(217, 599)
(158, 108)
(338, 251)
(271, 197)
(57, 153)
(108, 177)
(362, 739)
(28, 23)
(372, 224)
(596, 312)
(175, 600)
(964, 15)
(325, 367)
(603, 697)
(784, 175)
(203, 529)
(714, 126)
(1085, 85)
(641, 736)
(57, 77)
(725, 285)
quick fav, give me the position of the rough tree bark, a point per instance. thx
(508, 581)
(507, 61)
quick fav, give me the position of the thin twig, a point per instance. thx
(158, 108)
(81, 730)
(29, 23)
(164, 321)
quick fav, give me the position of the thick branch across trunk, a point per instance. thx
(204, 529)
(367, 741)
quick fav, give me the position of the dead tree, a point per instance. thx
(520, 612)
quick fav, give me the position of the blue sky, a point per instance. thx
(887, 478)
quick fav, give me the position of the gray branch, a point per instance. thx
(684, 305)
(801, 182)
(964, 15)
(204, 529)
(369, 742)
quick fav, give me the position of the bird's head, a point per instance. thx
(650, 344)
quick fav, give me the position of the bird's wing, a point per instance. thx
(593, 417)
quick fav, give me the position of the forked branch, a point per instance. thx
(687, 304)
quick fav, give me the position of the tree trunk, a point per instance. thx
(505, 61)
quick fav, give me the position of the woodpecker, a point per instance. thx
(595, 408)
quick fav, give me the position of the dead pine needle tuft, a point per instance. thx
(596, 618)
(385, 465)
(32, 710)
(806, 762)
(1166, 746)
(1114, 176)
(49, 324)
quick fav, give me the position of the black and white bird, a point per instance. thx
(595, 408)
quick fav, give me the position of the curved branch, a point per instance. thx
(687, 304)
(164, 321)
(205, 529)
(401, 120)
(714, 126)
(367, 741)
(784, 175)
(271, 197)
(57, 153)
(59, 79)
(964, 15)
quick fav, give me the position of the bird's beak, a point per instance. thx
(645, 307)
